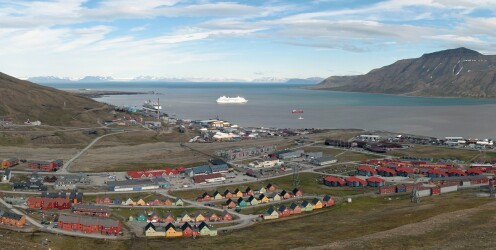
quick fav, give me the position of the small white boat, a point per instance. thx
(225, 99)
(300, 118)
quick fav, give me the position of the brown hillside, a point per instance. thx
(24, 100)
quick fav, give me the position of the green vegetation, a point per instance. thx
(5, 186)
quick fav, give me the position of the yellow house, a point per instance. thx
(316, 203)
(151, 231)
(237, 193)
(171, 231)
(184, 217)
(130, 202)
(141, 202)
(263, 198)
(198, 217)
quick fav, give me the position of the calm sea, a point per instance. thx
(270, 105)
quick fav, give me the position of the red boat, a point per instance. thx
(297, 111)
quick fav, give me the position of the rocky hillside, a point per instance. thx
(457, 72)
(24, 100)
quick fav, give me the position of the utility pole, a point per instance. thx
(415, 197)
(158, 109)
(296, 176)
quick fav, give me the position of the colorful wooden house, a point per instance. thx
(228, 194)
(206, 230)
(230, 203)
(295, 208)
(375, 181)
(316, 203)
(129, 202)
(107, 200)
(184, 217)
(242, 202)
(333, 181)
(297, 192)
(217, 196)
(237, 193)
(249, 191)
(141, 202)
(169, 218)
(168, 202)
(153, 217)
(188, 230)
(252, 200)
(283, 211)
(263, 198)
(198, 217)
(306, 206)
(260, 190)
(12, 219)
(285, 195)
(274, 196)
(271, 214)
(141, 217)
(179, 202)
(152, 231)
(226, 216)
(171, 231)
(354, 181)
(211, 216)
(328, 201)
(155, 202)
(270, 188)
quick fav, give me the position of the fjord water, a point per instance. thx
(270, 105)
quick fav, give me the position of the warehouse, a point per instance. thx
(324, 160)
(201, 179)
(135, 184)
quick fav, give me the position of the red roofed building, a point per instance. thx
(333, 181)
(366, 170)
(473, 171)
(455, 172)
(353, 181)
(436, 173)
(387, 172)
(375, 181)
(46, 203)
(154, 173)
(403, 171)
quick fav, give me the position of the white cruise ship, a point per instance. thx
(225, 99)
(151, 105)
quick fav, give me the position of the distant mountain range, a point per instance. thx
(457, 72)
(103, 79)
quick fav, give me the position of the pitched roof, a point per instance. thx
(315, 201)
(366, 169)
(334, 179)
(282, 208)
(305, 203)
(185, 226)
(375, 179)
(327, 198)
(355, 179)
(150, 225)
(293, 206)
(170, 225)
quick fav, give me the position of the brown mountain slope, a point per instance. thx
(24, 100)
(455, 73)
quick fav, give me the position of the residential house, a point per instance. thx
(228, 194)
(141, 217)
(375, 181)
(129, 202)
(204, 197)
(252, 200)
(179, 202)
(226, 216)
(260, 190)
(237, 193)
(274, 196)
(230, 203)
(7, 175)
(316, 203)
(217, 196)
(152, 231)
(198, 217)
(167, 202)
(242, 202)
(271, 188)
(93, 210)
(171, 231)
(297, 192)
(306, 206)
(333, 181)
(249, 191)
(12, 219)
(263, 198)
(188, 231)
(285, 195)
(295, 208)
(169, 218)
(184, 217)
(76, 197)
(141, 202)
(211, 216)
(283, 211)
(328, 201)
(89, 224)
(206, 230)
(271, 214)
(354, 181)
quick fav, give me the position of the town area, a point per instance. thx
(233, 178)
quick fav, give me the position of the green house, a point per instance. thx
(206, 230)
(242, 202)
(252, 200)
(179, 202)
(141, 218)
(306, 206)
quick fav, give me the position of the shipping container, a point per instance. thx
(435, 190)
(387, 190)
(423, 193)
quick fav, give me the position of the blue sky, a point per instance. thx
(218, 40)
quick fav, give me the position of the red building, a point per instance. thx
(188, 231)
(154, 173)
(89, 224)
(333, 181)
(387, 190)
(46, 203)
(386, 172)
(93, 210)
(283, 211)
(353, 181)
(328, 201)
(297, 192)
(366, 170)
(45, 165)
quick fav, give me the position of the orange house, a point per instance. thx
(13, 219)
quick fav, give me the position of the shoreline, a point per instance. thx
(100, 93)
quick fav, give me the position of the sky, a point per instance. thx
(212, 40)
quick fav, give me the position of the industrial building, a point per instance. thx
(137, 184)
